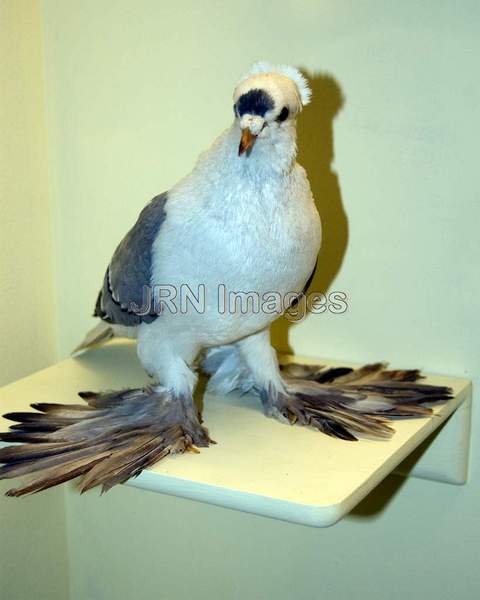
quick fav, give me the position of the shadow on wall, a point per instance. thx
(316, 154)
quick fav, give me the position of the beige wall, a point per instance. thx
(33, 561)
(134, 91)
(26, 290)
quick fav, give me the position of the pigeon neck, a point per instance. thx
(272, 155)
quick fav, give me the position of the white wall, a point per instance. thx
(33, 560)
(135, 90)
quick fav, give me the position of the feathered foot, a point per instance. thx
(344, 402)
(111, 438)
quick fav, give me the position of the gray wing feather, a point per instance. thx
(130, 269)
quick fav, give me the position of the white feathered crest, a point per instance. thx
(291, 72)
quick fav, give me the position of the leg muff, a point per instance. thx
(341, 401)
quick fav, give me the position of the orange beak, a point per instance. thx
(246, 141)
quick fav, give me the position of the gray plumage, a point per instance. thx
(130, 270)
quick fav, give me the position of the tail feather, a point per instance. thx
(115, 435)
(126, 464)
(107, 441)
(359, 401)
(100, 334)
(55, 476)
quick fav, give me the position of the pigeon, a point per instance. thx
(198, 281)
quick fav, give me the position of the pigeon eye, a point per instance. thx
(283, 115)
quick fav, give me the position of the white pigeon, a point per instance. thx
(242, 222)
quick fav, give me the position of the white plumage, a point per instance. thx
(248, 223)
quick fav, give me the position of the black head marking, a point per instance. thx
(283, 114)
(255, 102)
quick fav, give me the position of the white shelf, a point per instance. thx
(258, 465)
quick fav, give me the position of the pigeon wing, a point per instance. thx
(129, 273)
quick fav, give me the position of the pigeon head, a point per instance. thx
(267, 100)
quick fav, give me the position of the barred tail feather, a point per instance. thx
(343, 402)
(115, 435)
(107, 441)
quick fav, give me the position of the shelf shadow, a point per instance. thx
(380, 497)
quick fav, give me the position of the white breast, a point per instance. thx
(248, 235)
